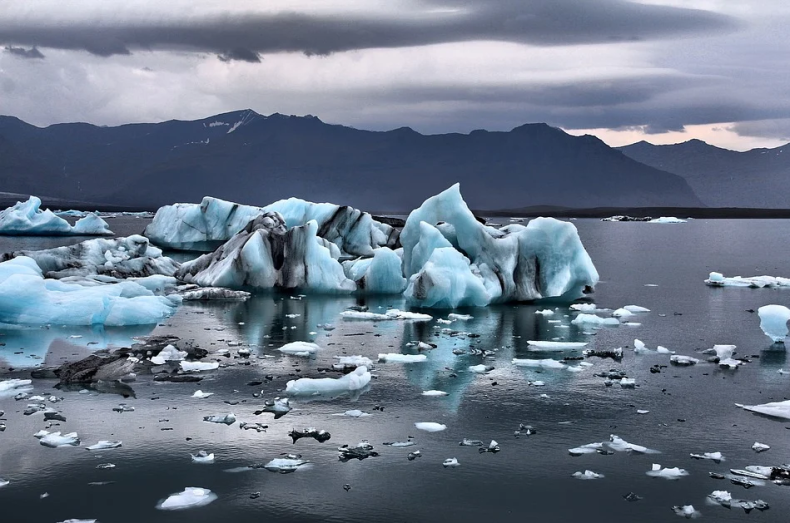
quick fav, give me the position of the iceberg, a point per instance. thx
(191, 497)
(717, 279)
(55, 439)
(381, 274)
(667, 219)
(352, 381)
(666, 473)
(773, 321)
(545, 259)
(775, 409)
(27, 219)
(300, 348)
(27, 298)
(265, 255)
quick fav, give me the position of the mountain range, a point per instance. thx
(759, 178)
(255, 159)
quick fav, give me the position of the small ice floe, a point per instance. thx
(547, 363)
(622, 313)
(682, 361)
(717, 279)
(353, 414)
(198, 366)
(666, 473)
(402, 358)
(760, 447)
(358, 379)
(723, 356)
(79, 521)
(585, 307)
(105, 466)
(319, 435)
(203, 457)
(191, 497)
(641, 411)
(773, 321)
(461, 317)
(471, 443)
(55, 439)
(411, 456)
(640, 348)
(592, 321)
(627, 383)
(450, 462)
(635, 308)
(227, 419)
(430, 426)
(443, 321)
(285, 465)
(169, 353)
(587, 474)
(353, 361)
(615, 354)
(363, 450)
(590, 448)
(105, 445)
(493, 447)
(545, 312)
(3, 482)
(400, 444)
(434, 393)
(7, 385)
(392, 314)
(426, 346)
(667, 219)
(713, 456)
(300, 348)
(202, 395)
(687, 511)
(480, 369)
(620, 445)
(724, 498)
(775, 409)
(555, 345)
(278, 406)
(121, 408)
(257, 427)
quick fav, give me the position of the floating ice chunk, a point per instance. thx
(79, 521)
(203, 457)
(480, 369)
(352, 381)
(584, 307)
(227, 419)
(198, 366)
(200, 394)
(666, 473)
(555, 345)
(27, 298)
(622, 313)
(590, 448)
(593, 321)
(713, 456)
(760, 447)
(545, 312)
(461, 317)
(724, 355)
(716, 279)
(627, 383)
(278, 406)
(55, 439)
(353, 414)
(402, 358)
(543, 364)
(434, 393)
(169, 353)
(191, 497)
(667, 219)
(686, 511)
(357, 361)
(430, 426)
(776, 409)
(300, 348)
(391, 314)
(773, 321)
(214, 294)
(619, 444)
(450, 462)
(470, 443)
(7, 385)
(399, 444)
(27, 219)
(587, 474)
(284, 465)
(642, 411)
(635, 308)
(3, 482)
(683, 361)
(105, 445)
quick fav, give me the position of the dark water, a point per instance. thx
(529, 479)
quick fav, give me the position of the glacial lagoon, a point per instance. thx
(689, 409)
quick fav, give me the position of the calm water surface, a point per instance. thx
(691, 409)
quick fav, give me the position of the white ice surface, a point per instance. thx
(352, 381)
(773, 321)
(776, 409)
(430, 426)
(27, 218)
(191, 497)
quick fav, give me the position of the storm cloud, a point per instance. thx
(242, 34)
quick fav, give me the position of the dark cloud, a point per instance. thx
(25, 53)
(241, 54)
(536, 22)
(770, 128)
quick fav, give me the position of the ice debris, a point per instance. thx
(285, 465)
(362, 450)
(686, 511)
(55, 439)
(201, 395)
(319, 435)
(716, 279)
(587, 474)
(278, 406)
(191, 497)
(713, 456)
(555, 345)
(760, 447)
(682, 361)
(198, 366)
(169, 353)
(451, 462)
(434, 393)
(543, 364)
(227, 419)
(203, 457)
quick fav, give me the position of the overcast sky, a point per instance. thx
(661, 70)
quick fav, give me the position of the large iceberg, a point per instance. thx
(545, 259)
(773, 321)
(27, 298)
(189, 226)
(127, 257)
(267, 255)
(27, 219)
(448, 259)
